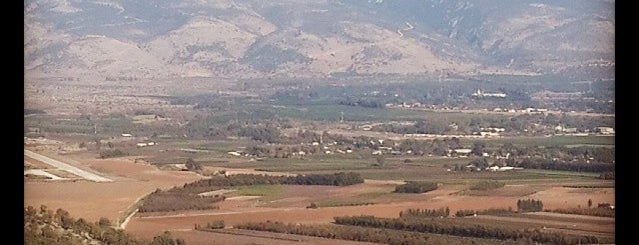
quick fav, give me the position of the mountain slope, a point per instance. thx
(253, 38)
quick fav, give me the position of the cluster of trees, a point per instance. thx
(598, 211)
(529, 205)
(420, 127)
(188, 196)
(265, 134)
(487, 185)
(416, 187)
(607, 175)
(192, 165)
(497, 211)
(219, 181)
(175, 199)
(542, 163)
(337, 179)
(112, 153)
(450, 227)
(421, 213)
(43, 226)
(368, 103)
(438, 147)
(363, 234)
(166, 239)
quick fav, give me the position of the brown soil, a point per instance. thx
(296, 213)
(92, 200)
(254, 237)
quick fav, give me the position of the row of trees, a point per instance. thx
(336, 179)
(416, 187)
(175, 200)
(368, 103)
(188, 197)
(363, 234)
(542, 163)
(449, 227)
(490, 211)
(598, 211)
(421, 213)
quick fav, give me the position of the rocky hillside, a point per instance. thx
(244, 39)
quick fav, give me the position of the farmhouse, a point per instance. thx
(482, 94)
(605, 130)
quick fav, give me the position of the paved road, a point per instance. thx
(66, 167)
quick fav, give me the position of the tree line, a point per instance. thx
(175, 200)
(490, 211)
(411, 213)
(188, 196)
(364, 234)
(540, 163)
(598, 211)
(336, 179)
(449, 227)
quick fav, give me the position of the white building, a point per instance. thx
(482, 94)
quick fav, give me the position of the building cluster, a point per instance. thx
(482, 94)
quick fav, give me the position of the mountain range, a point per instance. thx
(301, 38)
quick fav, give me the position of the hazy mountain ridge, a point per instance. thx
(318, 38)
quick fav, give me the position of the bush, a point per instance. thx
(187, 198)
